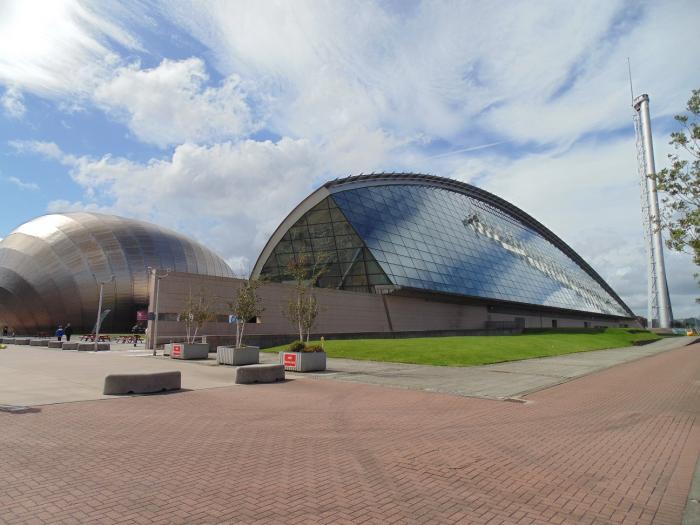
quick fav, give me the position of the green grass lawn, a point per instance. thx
(480, 350)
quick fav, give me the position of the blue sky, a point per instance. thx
(216, 118)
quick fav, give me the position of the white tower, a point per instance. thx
(659, 314)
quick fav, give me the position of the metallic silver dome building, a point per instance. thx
(49, 268)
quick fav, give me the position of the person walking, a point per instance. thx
(59, 333)
(68, 331)
(4, 331)
(135, 333)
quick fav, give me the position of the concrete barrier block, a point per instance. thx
(55, 344)
(116, 384)
(88, 347)
(21, 341)
(69, 346)
(246, 375)
(8, 340)
(38, 342)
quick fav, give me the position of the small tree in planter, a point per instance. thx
(195, 313)
(309, 314)
(247, 306)
(302, 307)
(302, 310)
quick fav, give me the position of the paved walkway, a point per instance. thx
(499, 381)
(39, 375)
(618, 446)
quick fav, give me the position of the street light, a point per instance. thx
(99, 308)
(157, 277)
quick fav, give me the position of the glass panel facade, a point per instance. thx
(325, 239)
(431, 238)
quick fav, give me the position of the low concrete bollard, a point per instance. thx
(55, 344)
(116, 384)
(246, 375)
(38, 342)
(69, 346)
(21, 341)
(87, 347)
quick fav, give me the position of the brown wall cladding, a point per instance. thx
(342, 314)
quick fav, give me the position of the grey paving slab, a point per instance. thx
(498, 381)
(39, 375)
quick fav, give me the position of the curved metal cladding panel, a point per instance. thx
(440, 235)
(49, 267)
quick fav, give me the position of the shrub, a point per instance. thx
(296, 346)
(300, 346)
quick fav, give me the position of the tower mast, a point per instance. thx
(659, 312)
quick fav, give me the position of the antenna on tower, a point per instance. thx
(629, 72)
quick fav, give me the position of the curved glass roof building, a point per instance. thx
(420, 234)
(49, 268)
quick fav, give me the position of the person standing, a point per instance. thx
(4, 331)
(68, 331)
(59, 333)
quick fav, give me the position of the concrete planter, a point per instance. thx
(38, 342)
(246, 355)
(188, 350)
(88, 347)
(21, 341)
(55, 344)
(303, 361)
(69, 346)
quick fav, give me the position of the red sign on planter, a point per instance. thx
(290, 360)
(177, 350)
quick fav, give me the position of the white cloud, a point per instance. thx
(548, 73)
(57, 48)
(170, 104)
(49, 150)
(230, 195)
(64, 206)
(22, 185)
(12, 103)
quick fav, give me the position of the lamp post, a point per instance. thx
(99, 308)
(157, 277)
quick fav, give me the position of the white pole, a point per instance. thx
(99, 311)
(665, 321)
(155, 323)
(154, 337)
(99, 314)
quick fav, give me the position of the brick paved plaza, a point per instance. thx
(617, 446)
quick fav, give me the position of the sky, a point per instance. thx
(216, 118)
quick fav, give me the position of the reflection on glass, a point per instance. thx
(431, 238)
